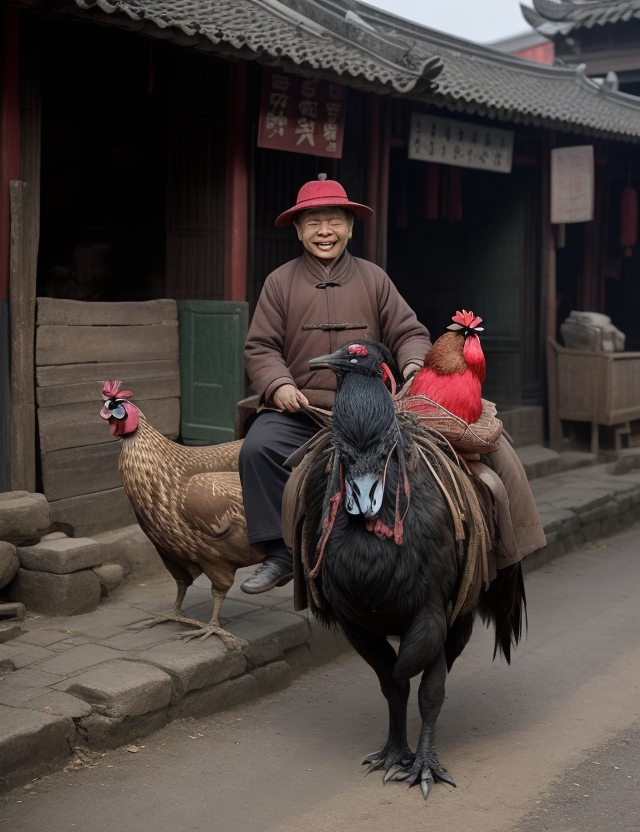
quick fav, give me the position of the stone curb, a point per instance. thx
(107, 689)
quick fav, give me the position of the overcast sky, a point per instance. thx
(482, 21)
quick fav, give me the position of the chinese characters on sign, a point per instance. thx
(572, 184)
(450, 142)
(303, 115)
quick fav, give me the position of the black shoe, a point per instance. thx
(267, 576)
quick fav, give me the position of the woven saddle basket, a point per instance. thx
(481, 437)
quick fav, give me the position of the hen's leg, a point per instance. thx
(380, 655)
(213, 628)
(175, 613)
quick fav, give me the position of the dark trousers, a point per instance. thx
(271, 439)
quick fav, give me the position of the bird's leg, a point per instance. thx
(426, 768)
(175, 613)
(380, 655)
(213, 628)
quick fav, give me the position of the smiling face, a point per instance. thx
(324, 232)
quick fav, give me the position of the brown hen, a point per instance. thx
(188, 502)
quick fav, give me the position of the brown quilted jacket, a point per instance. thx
(304, 312)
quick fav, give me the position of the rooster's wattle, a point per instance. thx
(454, 369)
(188, 502)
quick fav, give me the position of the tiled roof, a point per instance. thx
(308, 33)
(552, 17)
(391, 54)
(479, 79)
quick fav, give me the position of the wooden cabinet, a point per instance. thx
(602, 388)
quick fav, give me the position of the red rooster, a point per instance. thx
(454, 369)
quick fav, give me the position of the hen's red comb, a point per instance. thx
(358, 349)
(466, 320)
(111, 390)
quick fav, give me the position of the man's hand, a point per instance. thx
(289, 398)
(411, 368)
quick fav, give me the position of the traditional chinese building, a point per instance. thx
(604, 35)
(153, 143)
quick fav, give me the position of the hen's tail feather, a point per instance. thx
(504, 605)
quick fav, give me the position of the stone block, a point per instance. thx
(121, 688)
(9, 631)
(24, 517)
(32, 744)
(50, 594)
(196, 665)
(102, 732)
(47, 700)
(229, 694)
(269, 634)
(110, 576)
(61, 556)
(272, 677)
(9, 562)
(132, 550)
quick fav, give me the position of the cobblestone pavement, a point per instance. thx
(102, 679)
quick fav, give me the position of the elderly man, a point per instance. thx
(311, 306)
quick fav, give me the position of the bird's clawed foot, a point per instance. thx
(230, 641)
(170, 615)
(425, 771)
(390, 757)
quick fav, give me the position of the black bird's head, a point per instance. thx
(365, 430)
(367, 358)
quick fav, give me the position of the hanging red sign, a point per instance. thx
(302, 115)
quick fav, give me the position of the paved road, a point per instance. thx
(548, 744)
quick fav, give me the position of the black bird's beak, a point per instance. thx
(328, 362)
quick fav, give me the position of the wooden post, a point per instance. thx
(23, 299)
(25, 236)
(373, 175)
(9, 133)
(549, 294)
(9, 169)
(237, 187)
(383, 199)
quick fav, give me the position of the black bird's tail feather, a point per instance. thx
(504, 605)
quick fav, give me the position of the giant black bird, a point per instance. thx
(383, 556)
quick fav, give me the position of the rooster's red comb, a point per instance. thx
(111, 390)
(466, 320)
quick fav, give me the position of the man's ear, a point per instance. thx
(298, 231)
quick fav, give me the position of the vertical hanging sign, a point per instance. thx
(302, 115)
(572, 184)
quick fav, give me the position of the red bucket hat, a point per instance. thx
(322, 193)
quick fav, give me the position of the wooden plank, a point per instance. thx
(75, 425)
(91, 514)
(54, 375)
(55, 311)
(79, 344)
(166, 387)
(74, 471)
(22, 286)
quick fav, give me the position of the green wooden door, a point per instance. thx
(212, 334)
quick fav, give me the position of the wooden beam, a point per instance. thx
(237, 188)
(548, 260)
(9, 132)
(22, 287)
(373, 176)
(383, 199)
